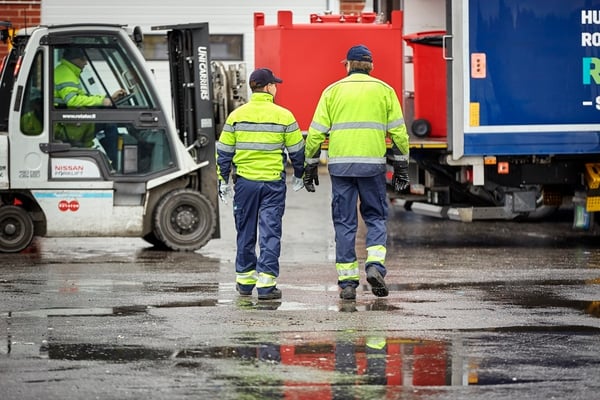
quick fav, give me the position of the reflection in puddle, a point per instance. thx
(342, 306)
(329, 364)
(105, 311)
(372, 360)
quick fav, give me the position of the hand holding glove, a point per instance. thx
(400, 180)
(297, 183)
(224, 192)
(311, 176)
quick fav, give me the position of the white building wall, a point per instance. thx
(223, 16)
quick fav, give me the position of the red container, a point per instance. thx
(308, 56)
(429, 82)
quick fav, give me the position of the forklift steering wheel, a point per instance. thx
(124, 99)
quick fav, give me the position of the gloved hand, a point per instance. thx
(400, 180)
(224, 192)
(311, 176)
(297, 183)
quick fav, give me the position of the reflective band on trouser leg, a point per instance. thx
(347, 271)
(246, 278)
(376, 342)
(376, 254)
(265, 280)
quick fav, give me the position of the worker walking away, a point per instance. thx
(356, 113)
(253, 147)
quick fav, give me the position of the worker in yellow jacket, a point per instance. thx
(255, 144)
(356, 114)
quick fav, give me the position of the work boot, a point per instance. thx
(272, 295)
(242, 291)
(378, 286)
(348, 293)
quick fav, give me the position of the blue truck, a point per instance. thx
(523, 114)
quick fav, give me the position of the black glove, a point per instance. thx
(311, 176)
(400, 180)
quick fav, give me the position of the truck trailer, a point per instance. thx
(523, 114)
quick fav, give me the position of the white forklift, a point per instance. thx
(145, 174)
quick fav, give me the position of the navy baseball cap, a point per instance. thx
(262, 77)
(359, 53)
(73, 53)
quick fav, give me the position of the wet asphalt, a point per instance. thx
(488, 309)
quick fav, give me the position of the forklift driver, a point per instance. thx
(68, 92)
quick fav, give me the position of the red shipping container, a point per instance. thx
(308, 56)
(429, 82)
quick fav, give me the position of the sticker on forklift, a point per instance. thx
(68, 195)
(68, 168)
(28, 174)
(474, 114)
(65, 205)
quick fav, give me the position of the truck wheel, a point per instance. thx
(420, 128)
(16, 229)
(184, 220)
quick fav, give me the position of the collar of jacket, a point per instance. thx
(358, 71)
(261, 96)
(71, 66)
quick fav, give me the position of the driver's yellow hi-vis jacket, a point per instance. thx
(69, 93)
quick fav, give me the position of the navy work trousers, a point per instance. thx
(258, 208)
(372, 193)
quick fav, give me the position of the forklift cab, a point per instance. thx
(88, 148)
(75, 119)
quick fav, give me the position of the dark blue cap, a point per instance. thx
(262, 77)
(359, 53)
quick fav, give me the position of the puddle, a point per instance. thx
(105, 311)
(335, 360)
(372, 360)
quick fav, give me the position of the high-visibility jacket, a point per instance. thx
(256, 137)
(356, 113)
(31, 124)
(68, 90)
(69, 93)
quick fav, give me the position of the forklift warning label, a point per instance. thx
(68, 168)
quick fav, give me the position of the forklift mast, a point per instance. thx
(191, 91)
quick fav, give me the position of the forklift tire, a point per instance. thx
(184, 220)
(16, 229)
(421, 128)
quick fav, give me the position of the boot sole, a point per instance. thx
(378, 286)
(270, 296)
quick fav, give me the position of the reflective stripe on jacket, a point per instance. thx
(357, 113)
(256, 137)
